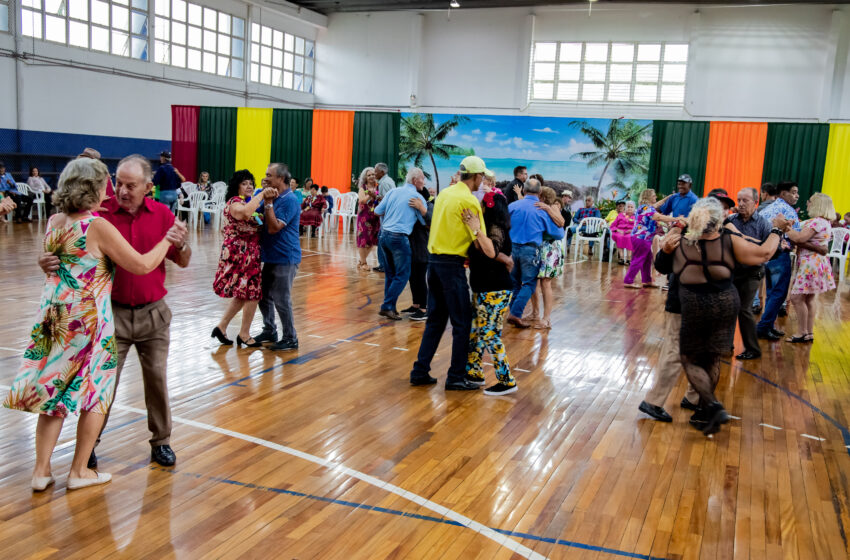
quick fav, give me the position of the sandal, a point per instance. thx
(799, 339)
(543, 324)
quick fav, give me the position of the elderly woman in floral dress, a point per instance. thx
(239, 272)
(368, 223)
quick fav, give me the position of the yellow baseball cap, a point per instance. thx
(474, 164)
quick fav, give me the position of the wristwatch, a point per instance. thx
(777, 231)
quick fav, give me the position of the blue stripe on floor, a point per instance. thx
(401, 513)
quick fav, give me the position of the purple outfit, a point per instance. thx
(642, 234)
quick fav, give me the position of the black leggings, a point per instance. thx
(418, 284)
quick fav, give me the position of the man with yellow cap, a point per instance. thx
(448, 290)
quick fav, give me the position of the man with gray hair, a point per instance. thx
(528, 224)
(385, 182)
(400, 210)
(142, 318)
(748, 278)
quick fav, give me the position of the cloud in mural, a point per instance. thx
(546, 145)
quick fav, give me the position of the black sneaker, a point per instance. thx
(422, 380)
(265, 337)
(418, 315)
(500, 389)
(476, 380)
(410, 309)
(688, 405)
(284, 345)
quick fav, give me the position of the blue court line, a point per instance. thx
(368, 302)
(301, 359)
(401, 513)
(843, 429)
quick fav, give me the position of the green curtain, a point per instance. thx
(796, 152)
(292, 140)
(217, 142)
(376, 139)
(677, 147)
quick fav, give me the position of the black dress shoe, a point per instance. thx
(285, 345)
(240, 342)
(768, 335)
(216, 333)
(418, 381)
(92, 464)
(390, 314)
(164, 455)
(777, 333)
(688, 405)
(265, 337)
(655, 411)
(377, 269)
(462, 385)
(748, 355)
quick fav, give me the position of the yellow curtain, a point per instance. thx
(836, 174)
(254, 141)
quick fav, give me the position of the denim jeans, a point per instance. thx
(448, 299)
(169, 198)
(395, 260)
(778, 278)
(277, 288)
(524, 276)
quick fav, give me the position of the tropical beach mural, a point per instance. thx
(606, 158)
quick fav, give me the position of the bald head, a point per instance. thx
(532, 186)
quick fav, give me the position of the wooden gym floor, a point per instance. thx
(329, 453)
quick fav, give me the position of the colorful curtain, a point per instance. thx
(217, 142)
(332, 143)
(796, 152)
(292, 139)
(677, 147)
(735, 156)
(184, 140)
(376, 139)
(836, 173)
(253, 141)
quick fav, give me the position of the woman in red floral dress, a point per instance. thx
(311, 209)
(368, 223)
(238, 274)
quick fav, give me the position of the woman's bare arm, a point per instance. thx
(105, 238)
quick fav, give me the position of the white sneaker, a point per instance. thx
(77, 483)
(500, 389)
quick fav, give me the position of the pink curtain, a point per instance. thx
(184, 140)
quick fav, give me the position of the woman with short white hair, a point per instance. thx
(814, 271)
(704, 263)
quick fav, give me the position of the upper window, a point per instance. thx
(280, 59)
(199, 38)
(4, 15)
(609, 72)
(114, 26)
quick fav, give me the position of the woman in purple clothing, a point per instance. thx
(646, 226)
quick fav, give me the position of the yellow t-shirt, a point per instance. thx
(612, 215)
(449, 235)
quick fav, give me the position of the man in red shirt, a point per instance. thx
(142, 318)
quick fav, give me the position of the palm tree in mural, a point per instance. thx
(420, 137)
(625, 147)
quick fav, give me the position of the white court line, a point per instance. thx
(812, 437)
(734, 417)
(315, 336)
(10, 349)
(771, 426)
(485, 531)
(402, 349)
(371, 344)
(522, 370)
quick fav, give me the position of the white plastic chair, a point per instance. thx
(215, 207)
(334, 193)
(196, 202)
(838, 251)
(594, 229)
(38, 200)
(347, 210)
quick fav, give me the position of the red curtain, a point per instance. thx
(184, 140)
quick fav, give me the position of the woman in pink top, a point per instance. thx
(621, 232)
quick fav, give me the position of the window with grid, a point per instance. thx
(4, 15)
(114, 26)
(281, 59)
(199, 38)
(609, 72)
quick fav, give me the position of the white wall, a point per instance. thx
(81, 93)
(763, 63)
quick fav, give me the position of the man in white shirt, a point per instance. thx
(385, 182)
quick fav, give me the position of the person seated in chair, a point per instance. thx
(312, 209)
(589, 211)
(329, 199)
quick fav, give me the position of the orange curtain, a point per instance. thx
(333, 136)
(735, 156)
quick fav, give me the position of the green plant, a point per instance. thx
(421, 137)
(605, 206)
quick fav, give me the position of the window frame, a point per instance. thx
(635, 82)
(266, 70)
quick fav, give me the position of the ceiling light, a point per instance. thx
(454, 4)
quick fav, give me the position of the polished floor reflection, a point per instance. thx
(329, 453)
